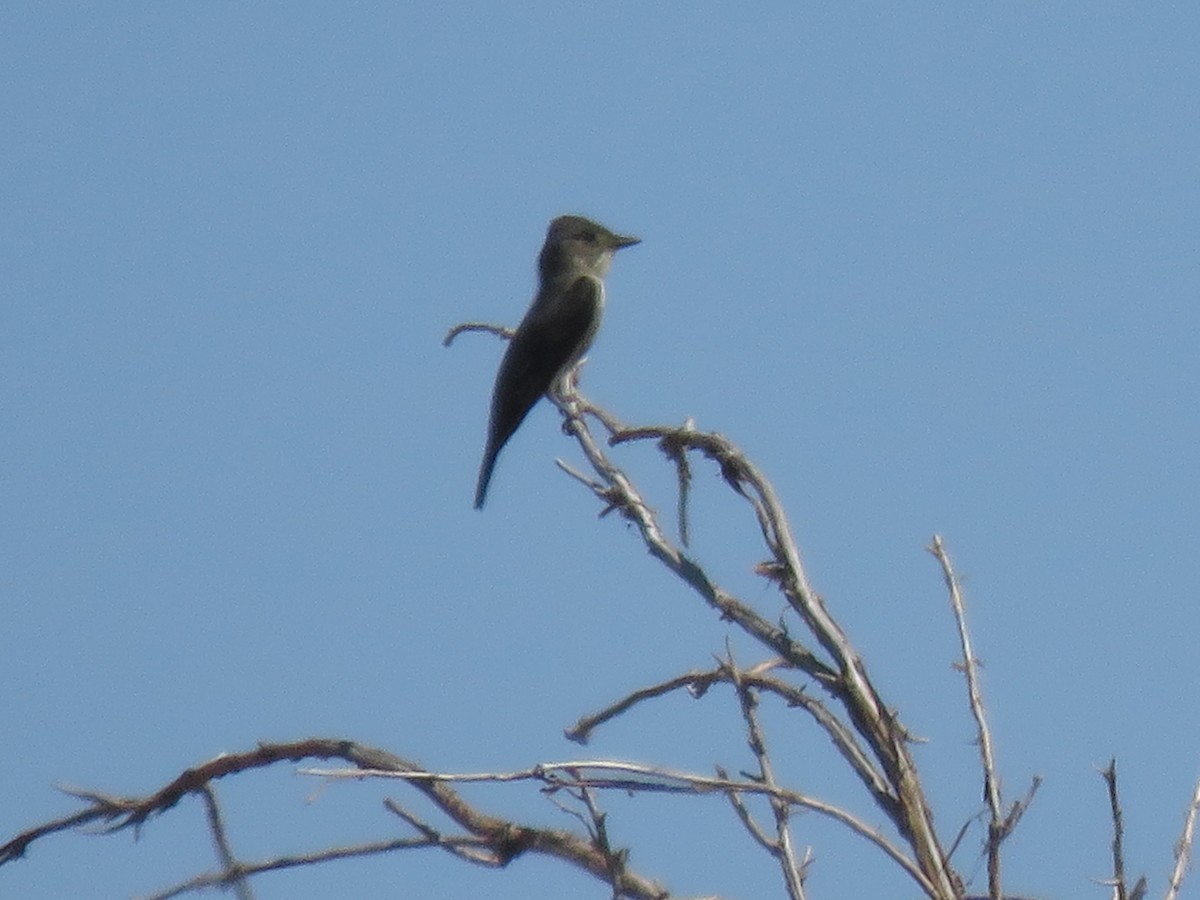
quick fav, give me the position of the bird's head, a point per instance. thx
(576, 245)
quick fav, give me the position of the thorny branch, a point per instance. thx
(216, 824)
(698, 683)
(635, 777)
(843, 676)
(781, 847)
(1000, 825)
(485, 839)
(1121, 890)
(863, 728)
(1183, 847)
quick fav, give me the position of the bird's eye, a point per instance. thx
(589, 236)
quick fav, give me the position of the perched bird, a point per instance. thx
(557, 329)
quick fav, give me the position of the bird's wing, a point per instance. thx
(551, 337)
(549, 340)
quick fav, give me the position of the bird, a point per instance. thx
(556, 331)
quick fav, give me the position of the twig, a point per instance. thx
(869, 716)
(207, 880)
(696, 682)
(617, 491)
(744, 815)
(216, 825)
(1019, 808)
(486, 327)
(467, 848)
(598, 828)
(1183, 847)
(676, 452)
(1118, 842)
(118, 813)
(781, 847)
(970, 666)
(634, 777)
(503, 839)
(757, 677)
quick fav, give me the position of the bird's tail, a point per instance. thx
(485, 474)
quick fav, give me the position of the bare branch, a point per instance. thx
(1183, 847)
(598, 828)
(635, 777)
(864, 729)
(1018, 809)
(216, 825)
(589, 483)
(498, 330)
(698, 683)
(617, 491)
(1118, 842)
(970, 667)
(781, 848)
(467, 848)
(205, 881)
(676, 452)
(503, 839)
(849, 682)
(123, 812)
(747, 819)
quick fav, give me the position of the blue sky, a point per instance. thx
(935, 269)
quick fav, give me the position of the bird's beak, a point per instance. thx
(623, 240)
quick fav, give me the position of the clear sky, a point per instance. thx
(934, 267)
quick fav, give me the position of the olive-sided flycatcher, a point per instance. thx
(556, 331)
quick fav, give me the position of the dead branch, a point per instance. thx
(1120, 890)
(865, 730)
(983, 736)
(216, 824)
(1183, 847)
(631, 777)
(500, 839)
(486, 327)
(698, 684)
(781, 847)
(844, 677)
